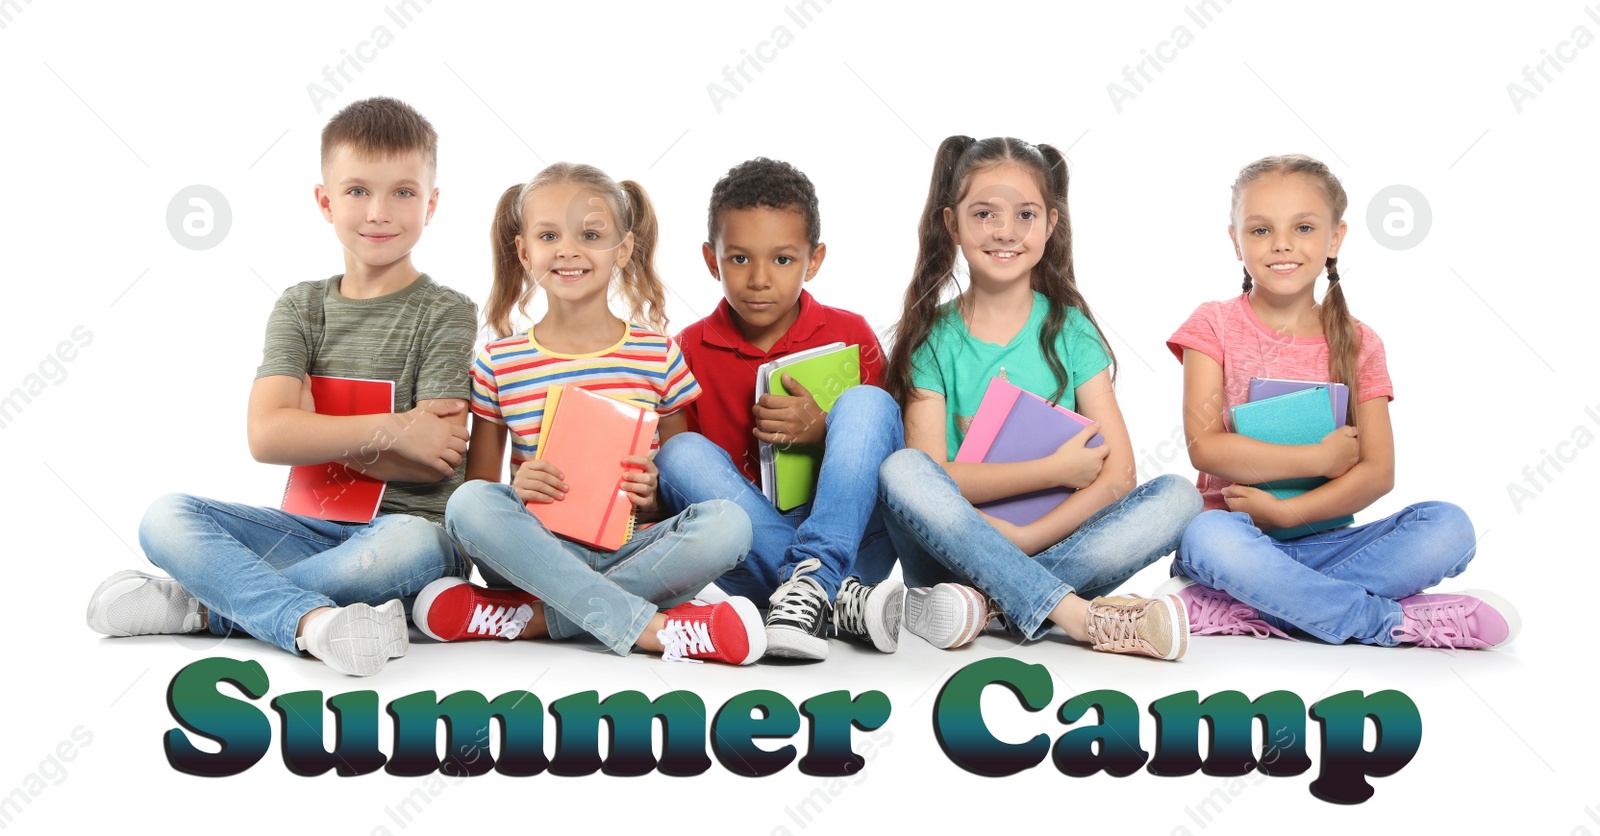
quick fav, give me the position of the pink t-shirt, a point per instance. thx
(1230, 333)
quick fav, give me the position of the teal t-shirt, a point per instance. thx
(959, 366)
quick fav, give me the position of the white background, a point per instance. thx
(109, 110)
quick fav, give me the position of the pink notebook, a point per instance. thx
(993, 410)
(1016, 429)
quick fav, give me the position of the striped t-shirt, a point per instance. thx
(512, 375)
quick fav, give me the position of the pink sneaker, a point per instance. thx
(1472, 620)
(450, 609)
(1213, 612)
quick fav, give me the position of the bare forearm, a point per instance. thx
(1247, 461)
(985, 482)
(388, 466)
(1353, 492)
(1116, 479)
(295, 437)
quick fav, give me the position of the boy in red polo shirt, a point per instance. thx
(810, 562)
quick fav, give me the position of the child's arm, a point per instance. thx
(1116, 478)
(790, 419)
(1242, 459)
(1072, 465)
(280, 431)
(1359, 487)
(486, 451)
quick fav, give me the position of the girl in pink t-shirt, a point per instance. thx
(1354, 582)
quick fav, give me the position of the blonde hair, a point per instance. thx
(1338, 326)
(640, 285)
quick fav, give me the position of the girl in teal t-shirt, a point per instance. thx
(1002, 202)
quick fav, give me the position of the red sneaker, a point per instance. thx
(730, 631)
(450, 609)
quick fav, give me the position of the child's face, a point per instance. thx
(1001, 223)
(570, 242)
(378, 205)
(763, 259)
(1284, 233)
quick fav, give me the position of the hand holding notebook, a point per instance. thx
(1304, 416)
(585, 438)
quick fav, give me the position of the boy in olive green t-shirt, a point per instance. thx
(333, 589)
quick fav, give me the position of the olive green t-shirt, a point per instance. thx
(420, 337)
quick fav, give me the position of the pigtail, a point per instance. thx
(510, 289)
(936, 258)
(1338, 326)
(642, 287)
(1055, 276)
(1344, 339)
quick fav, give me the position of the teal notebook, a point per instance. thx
(1302, 417)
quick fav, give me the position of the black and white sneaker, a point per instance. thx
(870, 611)
(798, 615)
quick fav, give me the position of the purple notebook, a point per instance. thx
(1033, 430)
(1262, 388)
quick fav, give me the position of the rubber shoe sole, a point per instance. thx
(885, 611)
(794, 643)
(946, 616)
(359, 639)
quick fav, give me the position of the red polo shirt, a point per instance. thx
(725, 363)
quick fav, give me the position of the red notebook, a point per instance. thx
(331, 491)
(586, 436)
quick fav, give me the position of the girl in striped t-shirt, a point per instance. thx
(575, 232)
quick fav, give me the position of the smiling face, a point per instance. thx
(1284, 232)
(378, 206)
(1001, 223)
(570, 242)
(763, 259)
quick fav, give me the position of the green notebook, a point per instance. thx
(1302, 417)
(789, 474)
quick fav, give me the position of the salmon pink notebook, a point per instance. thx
(586, 436)
(331, 491)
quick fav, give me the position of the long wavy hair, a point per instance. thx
(958, 158)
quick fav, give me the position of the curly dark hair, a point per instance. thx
(771, 183)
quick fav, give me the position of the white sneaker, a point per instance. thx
(133, 603)
(948, 615)
(358, 639)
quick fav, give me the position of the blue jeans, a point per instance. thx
(1336, 585)
(611, 595)
(842, 525)
(259, 570)
(941, 538)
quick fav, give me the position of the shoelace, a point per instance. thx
(1113, 627)
(793, 603)
(1220, 614)
(850, 608)
(504, 622)
(682, 640)
(1438, 626)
